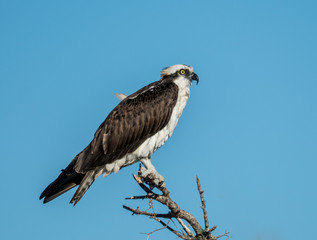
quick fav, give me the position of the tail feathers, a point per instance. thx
(84, 185)
(57, 192)
(65, 181)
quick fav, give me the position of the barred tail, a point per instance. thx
(88, 179)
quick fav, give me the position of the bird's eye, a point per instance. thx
(182, 71)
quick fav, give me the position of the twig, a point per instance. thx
(171, 229)
(156, 230)
(226, 234)
(211, 229)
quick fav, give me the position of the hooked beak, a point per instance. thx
(195, 77)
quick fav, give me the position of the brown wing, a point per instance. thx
(129, 124)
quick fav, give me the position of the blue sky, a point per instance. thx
(249, 129)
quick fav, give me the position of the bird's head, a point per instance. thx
(179, 71)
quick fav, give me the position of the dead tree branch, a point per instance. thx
(203, 204)
(192, 231)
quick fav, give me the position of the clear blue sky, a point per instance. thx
(249, 129)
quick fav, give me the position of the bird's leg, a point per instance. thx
(150, 175)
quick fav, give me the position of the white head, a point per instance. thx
(179, 70)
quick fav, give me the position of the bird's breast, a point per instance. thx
(150, 145)
(147, 148)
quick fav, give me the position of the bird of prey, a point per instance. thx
(132, 132)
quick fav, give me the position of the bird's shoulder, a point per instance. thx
(151, 96)
(129, 124)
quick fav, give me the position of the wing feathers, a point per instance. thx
(136, 118)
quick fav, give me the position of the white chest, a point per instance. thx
(157, 140)
(146, 149)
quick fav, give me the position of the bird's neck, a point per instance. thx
(183, 85)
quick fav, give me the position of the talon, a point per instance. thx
(152, 178)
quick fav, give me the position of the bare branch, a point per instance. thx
(203, 203)
(139, 212)
(175, 212)
(138, 197)
(186, 229)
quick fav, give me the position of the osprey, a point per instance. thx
(132, 132)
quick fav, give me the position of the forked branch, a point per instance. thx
(192, 231)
